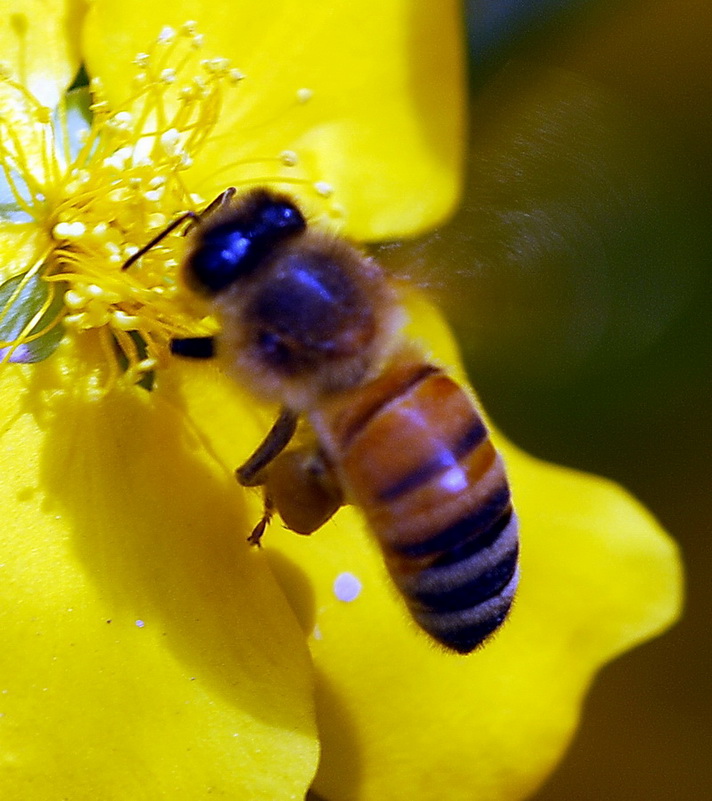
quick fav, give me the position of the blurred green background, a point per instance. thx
(581, 296)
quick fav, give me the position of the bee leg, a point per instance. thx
(194, 347)
(250, 474)
(269, 508)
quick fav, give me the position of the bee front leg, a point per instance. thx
(250, 474)
(267, 514)
(254, 472)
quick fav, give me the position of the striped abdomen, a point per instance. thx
(413, 452)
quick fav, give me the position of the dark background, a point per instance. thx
(576, 275)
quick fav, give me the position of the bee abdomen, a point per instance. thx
(464, 594)
(418, 460)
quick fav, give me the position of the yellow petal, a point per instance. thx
(401, 718)
(383, 127)
(39, 42)
(147, 652)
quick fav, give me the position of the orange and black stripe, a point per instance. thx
(415, 455)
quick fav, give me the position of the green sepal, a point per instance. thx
(21, 298)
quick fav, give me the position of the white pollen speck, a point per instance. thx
(347, 587)
(304, 95)
(316, 632)
(140, 624)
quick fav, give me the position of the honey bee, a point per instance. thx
(312, 323)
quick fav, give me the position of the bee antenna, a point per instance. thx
(189, 215)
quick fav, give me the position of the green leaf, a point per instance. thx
(78, 116)
(21, 299)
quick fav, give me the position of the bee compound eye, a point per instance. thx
(222, 257)
(238, 245)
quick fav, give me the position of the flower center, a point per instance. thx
(99, 185)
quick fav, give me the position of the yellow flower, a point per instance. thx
(149, 652)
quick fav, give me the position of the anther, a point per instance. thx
(69, 230)
(125, 322)
(323, 189)
(167, 35)
(289, 158)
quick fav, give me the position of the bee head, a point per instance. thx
(231, 241)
